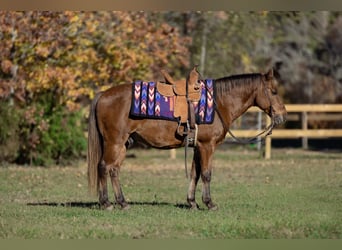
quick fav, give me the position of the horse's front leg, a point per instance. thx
(206, 158)
(194, 177)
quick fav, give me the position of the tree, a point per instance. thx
(304, 48)
(75, 53)
(52, 63)
(303, 53)
(224, 42)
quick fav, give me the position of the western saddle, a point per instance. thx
(186, 93)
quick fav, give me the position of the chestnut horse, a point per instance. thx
(111, 126)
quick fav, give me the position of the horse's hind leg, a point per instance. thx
(103, 189)
(114, 158)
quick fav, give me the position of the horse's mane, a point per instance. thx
(244, 81)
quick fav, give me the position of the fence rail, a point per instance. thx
(304, 132)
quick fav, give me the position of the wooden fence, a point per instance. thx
(307, 112)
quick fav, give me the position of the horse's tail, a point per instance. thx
(94, 147)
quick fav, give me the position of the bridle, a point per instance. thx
(266, 132)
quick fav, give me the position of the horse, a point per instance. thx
(111, 127)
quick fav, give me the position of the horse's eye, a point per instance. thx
(274, 91)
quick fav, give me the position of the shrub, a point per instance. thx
(64, 140)
(50, 137)
(9, 134)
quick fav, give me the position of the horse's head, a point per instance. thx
(268, 99)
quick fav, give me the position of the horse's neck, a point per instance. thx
(242, 108)
(236, 104)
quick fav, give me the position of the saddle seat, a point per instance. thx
(178, 90)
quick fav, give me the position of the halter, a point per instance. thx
(267, 131)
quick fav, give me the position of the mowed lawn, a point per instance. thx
(296, 194)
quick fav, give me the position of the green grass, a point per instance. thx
(296, 194)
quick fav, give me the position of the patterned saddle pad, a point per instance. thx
(147, 102)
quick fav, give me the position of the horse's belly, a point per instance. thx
(159, 134)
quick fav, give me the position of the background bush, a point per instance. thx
(37, 135)
(55, 137)
(9, 128)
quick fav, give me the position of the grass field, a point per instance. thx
(296, 194)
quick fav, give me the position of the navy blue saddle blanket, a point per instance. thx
(147, 102)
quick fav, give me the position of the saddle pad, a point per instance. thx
(147, 102)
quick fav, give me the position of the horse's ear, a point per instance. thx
(269, 74)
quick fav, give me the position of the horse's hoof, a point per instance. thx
(125, 206)
(213, 207)
(194, 207)
(106, 205)
(109, 208)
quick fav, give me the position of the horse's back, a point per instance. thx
(122, 91)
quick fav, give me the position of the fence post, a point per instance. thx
(304, 127)
(173, 153)
(268, 141)
(259, 129)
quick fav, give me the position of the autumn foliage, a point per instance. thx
(54, 62)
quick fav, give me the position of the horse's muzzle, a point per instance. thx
(278, 119)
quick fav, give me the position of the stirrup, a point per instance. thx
(191, 136)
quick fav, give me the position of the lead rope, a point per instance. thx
(267, 131)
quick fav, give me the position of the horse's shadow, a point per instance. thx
(96, 205)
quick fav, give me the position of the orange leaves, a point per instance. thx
(77, 53)
(42, 51)
(53, 63)
(6, 66)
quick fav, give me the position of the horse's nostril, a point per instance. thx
(279, 119)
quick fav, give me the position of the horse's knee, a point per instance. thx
(206, 176)
(114, 172)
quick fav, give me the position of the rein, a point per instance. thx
(254, 139)
(267, 131)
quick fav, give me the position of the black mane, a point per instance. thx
(228, 83)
